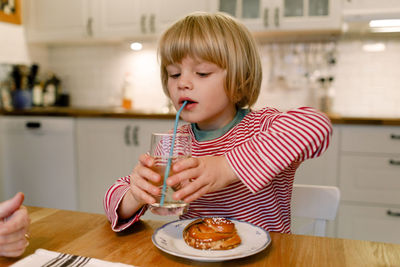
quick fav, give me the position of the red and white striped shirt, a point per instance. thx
(264, 150)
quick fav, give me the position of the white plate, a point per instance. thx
(169, 239)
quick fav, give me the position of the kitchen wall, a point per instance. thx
(366, 82)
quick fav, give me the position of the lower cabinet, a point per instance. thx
(369, 222)
(369, 181)
(109, 149)
(38, 158)
(364, 162)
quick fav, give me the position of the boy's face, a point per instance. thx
(201, 83)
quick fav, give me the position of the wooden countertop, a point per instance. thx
(90, 235)
(121, 113)
(87, 112)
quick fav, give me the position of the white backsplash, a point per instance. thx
(366, 83)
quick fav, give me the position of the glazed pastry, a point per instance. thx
(211, 233)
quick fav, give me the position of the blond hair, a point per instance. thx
(222, 40)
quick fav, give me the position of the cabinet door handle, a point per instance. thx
(89, 27)
(395, 136)
(135, 135)
(143, 24)
(394, 162)
(152, 23)
(276, 17)
(126, 135)
(33, 125)
(266, 17)
(393, 213)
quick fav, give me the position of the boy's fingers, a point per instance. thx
(146, 160)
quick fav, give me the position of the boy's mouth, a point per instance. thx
(189, 101)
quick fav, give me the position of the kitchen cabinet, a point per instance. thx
(108, 149)
(372, 9)
(282, 15)
(141, 18)
(61, 20)
(38, 159)
(104, 20)
(369, 183)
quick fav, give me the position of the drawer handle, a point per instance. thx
(126, 135)
(395, 136)
(393, 213)
(135, 135)
(33, 125)
(394, 162)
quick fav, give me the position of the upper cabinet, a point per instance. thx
(142, 18)
(48, 20)
(282, 15)
(370, 9)
(82, 20)
(52, 21)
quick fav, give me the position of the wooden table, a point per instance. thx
(90, 235)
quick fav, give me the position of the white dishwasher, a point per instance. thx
(39, 160)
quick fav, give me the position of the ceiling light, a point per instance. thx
(384, 23)
(136, 46)
(374, 47)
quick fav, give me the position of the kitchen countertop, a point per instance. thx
(121, 113)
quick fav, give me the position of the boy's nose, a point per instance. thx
(184, 83)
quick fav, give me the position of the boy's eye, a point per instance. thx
(203, 74)
(174, 75)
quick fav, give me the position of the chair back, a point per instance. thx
(317, 203)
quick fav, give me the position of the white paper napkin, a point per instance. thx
(47, 258)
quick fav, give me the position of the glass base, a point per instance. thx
(169, 208)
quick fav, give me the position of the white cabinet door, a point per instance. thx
(39, 160)
(324, 169)
(370, 179)
(257, 15)
(143, 18)
(309, 14)
(49, 20)
(170, 11)
(363, 7)
(102, 149)
(125, 18)
(374, 223)
(109, 149)
(281, 15)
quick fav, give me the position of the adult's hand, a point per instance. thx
(14, 226)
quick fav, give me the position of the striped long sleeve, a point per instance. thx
(111, 201)
(284, 139)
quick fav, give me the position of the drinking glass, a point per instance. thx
(160, 150)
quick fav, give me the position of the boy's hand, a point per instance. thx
(201, 175)
(144, 181)
(142, 187)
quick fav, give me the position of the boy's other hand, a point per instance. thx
(199, 176)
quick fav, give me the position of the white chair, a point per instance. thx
(315, 203)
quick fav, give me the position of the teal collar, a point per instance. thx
(212, 134)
